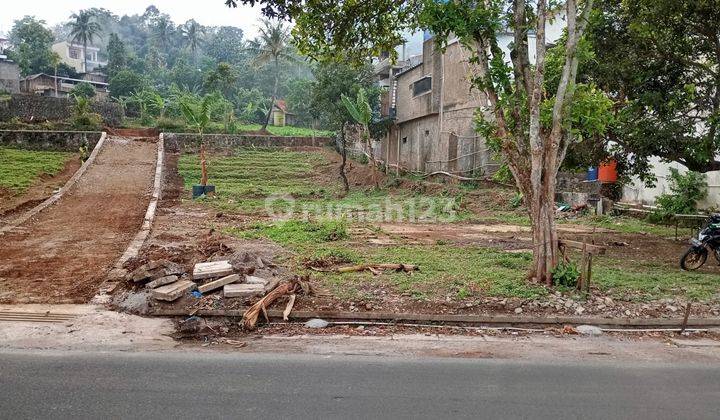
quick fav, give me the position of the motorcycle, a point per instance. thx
(708, 240)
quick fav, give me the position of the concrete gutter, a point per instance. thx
(58, 195)
(465, 320)
(133, 249)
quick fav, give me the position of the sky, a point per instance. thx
(206, 12)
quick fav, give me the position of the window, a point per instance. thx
(74, 52)
(422, 86)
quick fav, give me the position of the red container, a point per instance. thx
(608, 172)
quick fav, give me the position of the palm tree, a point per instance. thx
(192, 31)
(162, 31)
(272, 46)
(55, 60)
(84, 29)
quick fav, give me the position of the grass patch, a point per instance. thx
(648, 281)
(628, 225)
(460, 272)
(296, 233)
(20, 168)
(178, 125)
(244, 180)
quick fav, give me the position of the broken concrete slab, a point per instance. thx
(243, 290)
(255, 280)
(212, 269)
(139, 274)
(156, 269)
(171, 268)
(207, 287)
(271, 284)
(162, 281)
(173, 291)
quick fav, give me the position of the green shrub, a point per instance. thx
(83, 89)
(87, 122)
(170, 124)
(685, 192)
(517, 200)
(566, 274)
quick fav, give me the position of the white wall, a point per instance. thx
(638, 193)
(553, 31)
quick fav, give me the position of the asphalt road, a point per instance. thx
(217, 385)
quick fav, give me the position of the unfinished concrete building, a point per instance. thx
(430, 100)
(433, 105)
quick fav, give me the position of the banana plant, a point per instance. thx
(197, 115)
(361, 112)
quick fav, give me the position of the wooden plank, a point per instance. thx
(592, 249)
(212, 269)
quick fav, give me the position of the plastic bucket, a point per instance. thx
(198, 190)
(592, 173)
(608, 172)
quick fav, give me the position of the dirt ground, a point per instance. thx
(12, 205)
(63, 254)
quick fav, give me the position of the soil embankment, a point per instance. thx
(64, 253)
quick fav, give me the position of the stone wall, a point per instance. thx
(189, 142)
(31, 108)
(66, 141)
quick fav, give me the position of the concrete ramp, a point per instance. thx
(63, 253)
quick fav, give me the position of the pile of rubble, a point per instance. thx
(235, 277)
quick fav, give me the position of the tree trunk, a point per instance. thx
(272, 100)
(85, 56)
(371, 154)
(343, 153)
(545, 249)
(56, 84)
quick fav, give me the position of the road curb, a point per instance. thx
(468, 320)
(58, 195)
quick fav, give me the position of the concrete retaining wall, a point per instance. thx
(44, 108)
(66, 141)
(189, 142)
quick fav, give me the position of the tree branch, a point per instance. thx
(520, 55)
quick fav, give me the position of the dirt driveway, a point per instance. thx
(63, 254)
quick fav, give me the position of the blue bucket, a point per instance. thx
(592, 174)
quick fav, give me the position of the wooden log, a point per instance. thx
(593, 249)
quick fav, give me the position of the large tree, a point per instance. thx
(334, 80)
(660, 62)
(272, 47)
(84, 29)
(31, 42)
(227, 44)
(532, 126)
(117, 55)
(193, 33)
